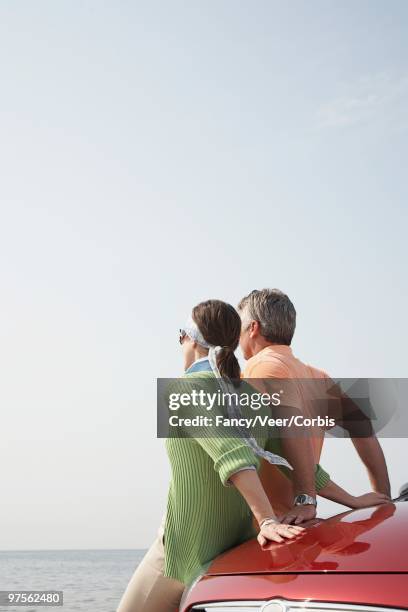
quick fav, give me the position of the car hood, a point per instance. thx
(367, 540)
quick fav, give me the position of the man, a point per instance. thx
(268, 325)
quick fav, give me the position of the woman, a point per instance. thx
(215, 491)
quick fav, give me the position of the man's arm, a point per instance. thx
(361, 432)
(371, 454)
(296, 443)
(298, 447)
(337, 494)
(299, 453)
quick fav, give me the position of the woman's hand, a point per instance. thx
(370, 499)
(278, 532)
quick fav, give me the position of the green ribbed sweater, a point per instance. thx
(205, 515)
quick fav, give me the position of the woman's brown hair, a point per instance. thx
(220, 325)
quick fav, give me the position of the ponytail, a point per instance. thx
(228, 365)
(220, 325)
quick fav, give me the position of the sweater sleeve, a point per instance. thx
(229, 454)
(322, 478)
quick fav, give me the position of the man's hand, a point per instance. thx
(276, 532)
(370, 499)
(299, 514)
(335, 493)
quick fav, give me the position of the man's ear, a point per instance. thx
(254, 329)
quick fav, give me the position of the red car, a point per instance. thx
(353, 562)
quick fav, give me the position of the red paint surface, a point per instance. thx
(384, 590)
(368, 540)
(342, 559)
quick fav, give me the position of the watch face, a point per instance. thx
(305, 500)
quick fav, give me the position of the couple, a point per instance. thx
(220, 486)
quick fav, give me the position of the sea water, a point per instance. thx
(91, 580)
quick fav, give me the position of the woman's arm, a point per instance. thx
(249, 485)
(234, 461)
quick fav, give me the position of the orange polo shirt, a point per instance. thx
(278, 361)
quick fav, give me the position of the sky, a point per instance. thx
(155, 154)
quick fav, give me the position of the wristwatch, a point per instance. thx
(305, 500)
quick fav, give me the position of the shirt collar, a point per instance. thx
(282, 349)
(199, 365)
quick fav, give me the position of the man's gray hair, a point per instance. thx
(274, 312)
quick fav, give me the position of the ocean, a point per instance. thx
(92, 580)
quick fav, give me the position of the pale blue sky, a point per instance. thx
(156, 154)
